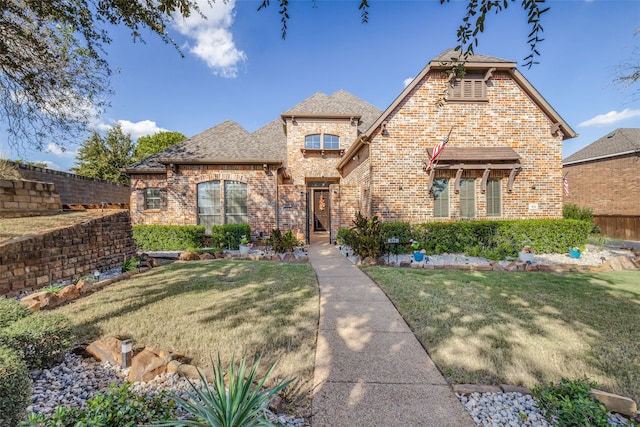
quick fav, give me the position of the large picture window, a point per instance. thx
(322, 141)
(467, 198)
(441, 198)
(209, 204)
(494, 197)
(235, 202)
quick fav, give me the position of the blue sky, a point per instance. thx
(237, 67)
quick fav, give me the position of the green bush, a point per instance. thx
(168, 237)
(11, 311)
(570, 403)
(282, 243)
(367, 236)
(15, 387)
(42, 339)
(399, 230)
(129, 264)
(118, 406)
(228, 236)
(344, 236)
(572, 211)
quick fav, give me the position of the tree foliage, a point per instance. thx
(629, 72)
(151, 144)
(103, 157)
(54, 80)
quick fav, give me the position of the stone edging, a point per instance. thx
(613, 402)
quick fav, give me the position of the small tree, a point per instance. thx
(151, 144)
(367, 236)
(103, 157)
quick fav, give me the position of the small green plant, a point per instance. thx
(244, 239)
(367, 236)
(282, 243)
(53, 289)
(15, 387)
(130, 264)
(118, 406)
(241, 404)
(570, 403)
(344, 236)
(11, 311)
(41, 338)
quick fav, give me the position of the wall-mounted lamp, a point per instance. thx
(265, 167)
(96, 275)
(127, 346)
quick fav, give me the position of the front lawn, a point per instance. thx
(205, 308)
(523, 328)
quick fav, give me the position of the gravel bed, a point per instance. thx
(76, 380)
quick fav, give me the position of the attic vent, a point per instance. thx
(611, 135)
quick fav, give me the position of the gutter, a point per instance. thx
(606, 156)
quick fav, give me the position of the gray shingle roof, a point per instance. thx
(339, 103)
(449, 54)
(622, 140)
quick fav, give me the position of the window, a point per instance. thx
(441, 198)
(494, 197)
(321, 141)
(470, 88)
(209, 204)
(152, 199)
(235, 198)
(467, 198)
(312, 141)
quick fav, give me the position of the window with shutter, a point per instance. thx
(467, 198)
(152, 199)
(441, 198)
(494, 197)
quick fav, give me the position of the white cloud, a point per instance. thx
(58, 151)
(406, 81)
(141, 128)
(213, 40)
(610, 118)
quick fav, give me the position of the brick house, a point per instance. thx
(330, 156)
(604, 175)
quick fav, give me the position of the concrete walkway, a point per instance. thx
(370, 370)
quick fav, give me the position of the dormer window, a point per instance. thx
(322, 141)
(472, 87)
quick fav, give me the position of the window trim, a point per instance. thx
(441, 202)
(468, 195)
(322, 143)
(156, 199)
(494, 184)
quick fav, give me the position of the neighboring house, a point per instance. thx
(605, 175)
(330, 156)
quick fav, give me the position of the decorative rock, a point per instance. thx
(68, 293)
(106, 350)
(84, 286)
(514, 389)
(475, 388)
(303, 258)
(189, 256)
(289, 257)
(36, 301)
(206, 256)
(615, 403)
(148, 364)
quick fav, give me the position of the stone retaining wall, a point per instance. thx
(33, 261)
(28, 198)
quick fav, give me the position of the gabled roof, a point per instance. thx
(225, 143)
(617, 143)
(445, 61)
(338, 104)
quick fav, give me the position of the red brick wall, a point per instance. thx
(509, 118)
(608, 186)
(33, 262)
(28, 198)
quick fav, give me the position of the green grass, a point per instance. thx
(523, 328)
(205, 308)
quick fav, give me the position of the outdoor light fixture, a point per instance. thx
(127, 346)
(96, 275)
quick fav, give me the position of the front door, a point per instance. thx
(320, 210)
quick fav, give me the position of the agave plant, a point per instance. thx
(238, 405)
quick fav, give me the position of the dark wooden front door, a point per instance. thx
(320, 210)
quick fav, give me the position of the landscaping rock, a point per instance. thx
(289, 257)
(68, 293)
(189, 371)
(189, 256)
(206, 256)
(148, 364)
(506, 388)
(466, 389)
(36, 301)
(106, 350)
(84, 286)
(615, 403)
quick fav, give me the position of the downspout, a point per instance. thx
(277, 202)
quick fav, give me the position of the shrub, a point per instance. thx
(344, 236)
(238, 405)
(399, 230)
(229, 235)
(129, 264)
(282, 243)
(41, 338)
(11, 311)
(168, 237)
(118, 406)
(15, 387)
(572, 211)
(367, 236)
(570, 403)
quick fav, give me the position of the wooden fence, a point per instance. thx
(625, 227)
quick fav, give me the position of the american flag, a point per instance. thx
(565, 185)
(437, 150)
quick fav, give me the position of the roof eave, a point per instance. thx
(606, 156)
(178, 161)
(346, 158)
(286, 116)
(143, 170)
